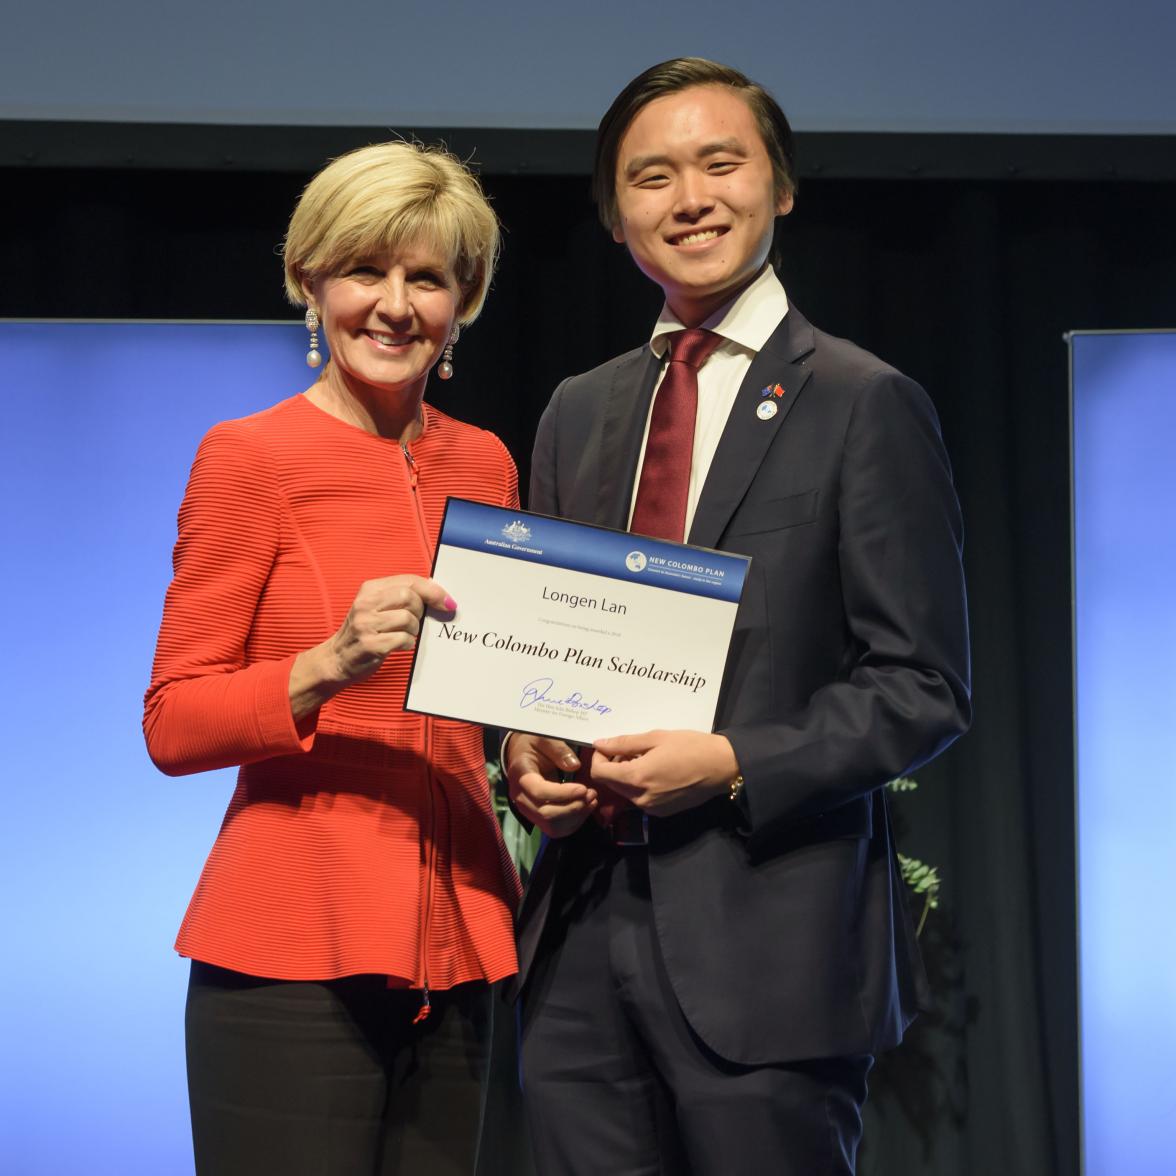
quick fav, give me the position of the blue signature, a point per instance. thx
(541, 690)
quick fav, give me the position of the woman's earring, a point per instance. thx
(313, 356)
(445, 367)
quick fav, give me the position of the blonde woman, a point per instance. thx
(357, 903)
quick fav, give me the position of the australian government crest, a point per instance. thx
(517, 532)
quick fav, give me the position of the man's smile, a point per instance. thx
(696, 236)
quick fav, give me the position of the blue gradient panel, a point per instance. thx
(1124, 409)
(101, 852)
(906, 65)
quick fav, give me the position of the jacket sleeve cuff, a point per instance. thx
(279, 733)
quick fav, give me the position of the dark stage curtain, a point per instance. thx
(966, 286)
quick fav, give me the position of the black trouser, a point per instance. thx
(616, 1081)
(300, 1078)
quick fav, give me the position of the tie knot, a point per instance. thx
(693, 346)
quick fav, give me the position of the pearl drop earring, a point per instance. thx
(445, 367)
(313, 356)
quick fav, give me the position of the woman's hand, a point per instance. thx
(385, 616)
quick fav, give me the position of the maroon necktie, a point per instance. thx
(660, 509)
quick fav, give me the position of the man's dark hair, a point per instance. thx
(682, 73)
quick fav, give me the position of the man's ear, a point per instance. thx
(618, 234)
(784, 203)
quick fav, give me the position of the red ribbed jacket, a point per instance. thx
(361, 840)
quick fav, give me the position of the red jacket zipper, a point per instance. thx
(426, 1008)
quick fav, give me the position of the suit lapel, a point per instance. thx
(620, 436)
(746, 436)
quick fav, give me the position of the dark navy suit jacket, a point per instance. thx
(782, 922)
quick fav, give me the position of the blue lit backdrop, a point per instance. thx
(1124, 406)
(100, 851)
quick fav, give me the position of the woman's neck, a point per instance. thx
(382, 412)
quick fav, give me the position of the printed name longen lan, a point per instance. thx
(573, 600)
(573, 656)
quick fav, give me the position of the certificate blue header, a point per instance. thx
(579, 547)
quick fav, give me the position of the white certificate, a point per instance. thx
(573, 631)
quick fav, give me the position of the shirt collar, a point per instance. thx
(747, 321)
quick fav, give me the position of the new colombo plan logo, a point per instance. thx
(517, 532)
(635, 561)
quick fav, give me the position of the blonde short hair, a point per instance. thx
(381, 197)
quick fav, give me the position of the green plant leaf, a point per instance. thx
(903, 784)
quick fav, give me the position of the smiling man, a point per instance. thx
(715, 944)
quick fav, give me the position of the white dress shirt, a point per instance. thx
(745, 325)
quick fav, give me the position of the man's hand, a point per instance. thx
(665, 772)
(534, 765)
